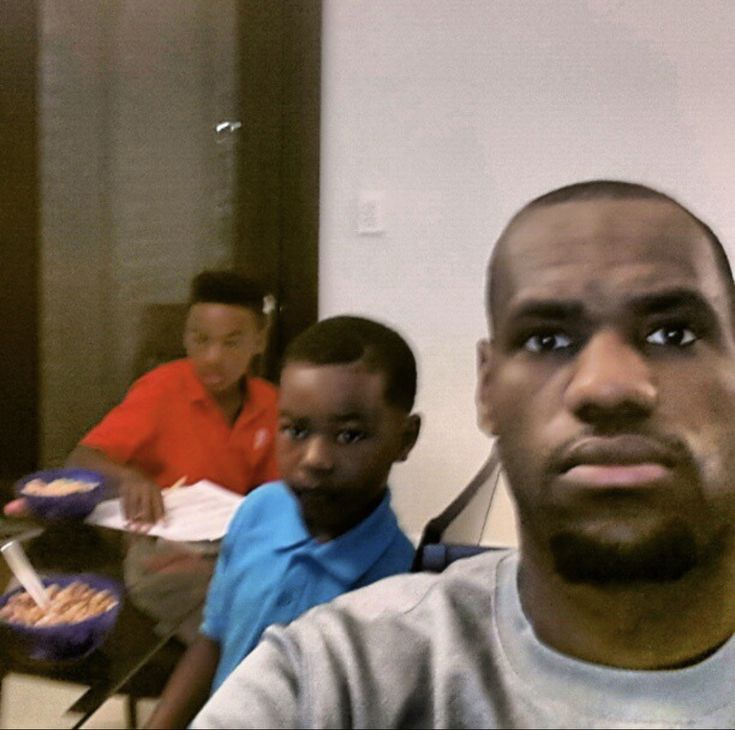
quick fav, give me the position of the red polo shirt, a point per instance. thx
(169, 427)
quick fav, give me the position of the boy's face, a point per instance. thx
(337, 440)
(221, 341)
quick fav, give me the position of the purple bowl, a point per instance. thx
(66, 507)
(64, 642)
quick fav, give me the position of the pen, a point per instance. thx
(178, 483)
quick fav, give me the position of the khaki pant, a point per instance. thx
(174, 599)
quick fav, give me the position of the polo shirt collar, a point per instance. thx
(199, 394)
(194, 388)
(289, 530)
(350, 555)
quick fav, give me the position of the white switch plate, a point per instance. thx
(371, 213)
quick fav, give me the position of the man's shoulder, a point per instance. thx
(373, 657)
(416, 592)
(405, 620)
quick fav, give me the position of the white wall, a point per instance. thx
(461, 111)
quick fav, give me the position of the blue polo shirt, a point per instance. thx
(270, 569)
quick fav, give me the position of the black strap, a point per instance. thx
(436, 557)
(435, 527)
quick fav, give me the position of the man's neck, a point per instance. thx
(636, 626)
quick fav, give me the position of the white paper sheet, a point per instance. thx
(201, 511)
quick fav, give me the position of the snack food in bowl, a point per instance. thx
(62, 493)
(83, 610)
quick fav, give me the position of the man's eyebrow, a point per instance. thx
(672, 299)
(547, 309)
(645, 304)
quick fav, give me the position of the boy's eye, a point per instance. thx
(350, 436)
(547, 342)
(295, 433)
(671, 336)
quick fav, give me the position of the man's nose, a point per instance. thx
(611, 380)
(318, 454)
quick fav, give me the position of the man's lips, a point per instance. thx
(617, 461)
(616, 475)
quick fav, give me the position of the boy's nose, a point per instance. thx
(318, 454)
(213, 353)
(611, 380)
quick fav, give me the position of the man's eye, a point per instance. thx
(350, 436)
(672, 336)
(547, 342)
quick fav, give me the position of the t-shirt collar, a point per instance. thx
(626, 694)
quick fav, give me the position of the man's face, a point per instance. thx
(610, 383)
(337, 440)
(221, 341)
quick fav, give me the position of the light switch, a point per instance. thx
(371, 213)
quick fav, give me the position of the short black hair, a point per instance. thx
(348, 339)
(610, 190)
(228, 287)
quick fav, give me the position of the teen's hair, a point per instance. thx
(348, 339)
(611, 190)
(228, 287)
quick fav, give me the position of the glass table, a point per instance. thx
(134, 660)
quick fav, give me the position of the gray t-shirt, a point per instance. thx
(452, 651)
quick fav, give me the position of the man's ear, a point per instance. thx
(411, 430)
(484, 388)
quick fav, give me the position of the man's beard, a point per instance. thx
(663, 556)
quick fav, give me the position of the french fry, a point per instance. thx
(72, 604)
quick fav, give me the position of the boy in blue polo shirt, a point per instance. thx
(346, 393)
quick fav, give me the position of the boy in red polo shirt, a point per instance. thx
(201, 417)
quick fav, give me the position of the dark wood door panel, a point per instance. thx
(280, 47)
(18, 238)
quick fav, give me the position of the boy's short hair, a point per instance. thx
(347, 339)
(228, 287)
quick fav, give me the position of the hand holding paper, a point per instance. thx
(201, 511)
